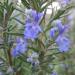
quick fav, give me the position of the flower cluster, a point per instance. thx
(41, 47)
(62, 42)
(31, 31)
(32, 28)
(21, 47)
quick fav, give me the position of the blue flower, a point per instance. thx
(64, 2)
(63, 43)
(33, 58)
(32, 28)
(59, 28)
(28, 19)
(21, 47)
(53, 32)
(54, 73)
(36, 15)
(69, 17)
(31, 31)
(33, 16)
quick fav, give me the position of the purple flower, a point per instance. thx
(33, 16)
(56, 33)
(32, 27)
(54, 73)
(28, 19)
(33, 58)
(53, 32)
(69, 17)
(63, 43)
(59, 28)
(31, 31)
(36, 15)
(21, 47)
(64, 2)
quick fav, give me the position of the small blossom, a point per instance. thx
(33, 16)
(28, 19)
(64, 2)
(33, 58)
(1, 73)
(54, 73)
(36, 15)
(31, 31)
(10, 70)
(60, 28)
(63, 43)
(21, 47)
(69, 17)
(53, 32)
(32, 27)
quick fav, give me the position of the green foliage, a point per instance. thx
(10, 23)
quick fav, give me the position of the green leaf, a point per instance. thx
(20, 10)
(14, 16)
(45, 7)
(34, 49)
(12, 27)
(19, 21)
(25, 3)
(41, 45)
(43, 17)
(10, 9)
(58, 15)
(13, 33)
(35, 4)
